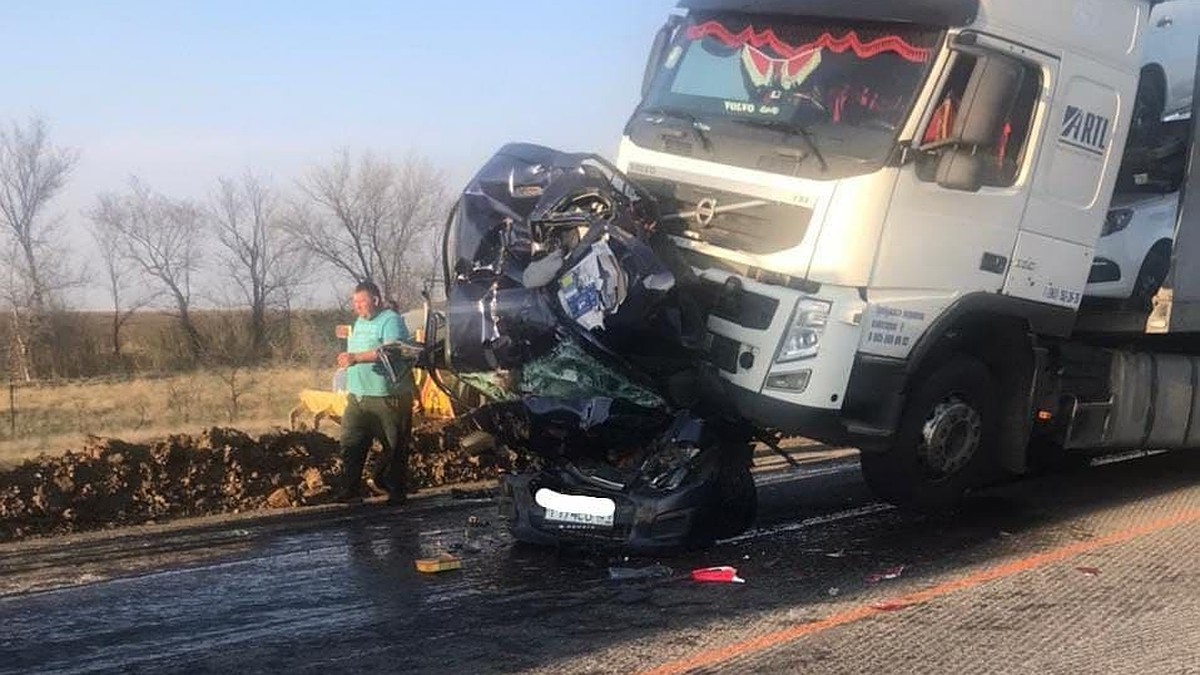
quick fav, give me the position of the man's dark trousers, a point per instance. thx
(388, 419)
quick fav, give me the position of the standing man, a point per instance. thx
(377, 408)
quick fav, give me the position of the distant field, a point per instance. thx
(55, 418)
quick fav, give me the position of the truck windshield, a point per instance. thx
(820, 88)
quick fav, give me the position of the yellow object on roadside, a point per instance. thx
(432, 401)
(442, 563)
(321, 405)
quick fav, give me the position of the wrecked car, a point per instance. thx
(572, 314)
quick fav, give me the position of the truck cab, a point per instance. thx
(894, 208)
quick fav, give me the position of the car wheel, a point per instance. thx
(945, 441)
(1150, 277)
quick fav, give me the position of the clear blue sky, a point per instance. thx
(182, 92)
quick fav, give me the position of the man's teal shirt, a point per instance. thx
(370, 379)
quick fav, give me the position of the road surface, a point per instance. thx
(1090, 570)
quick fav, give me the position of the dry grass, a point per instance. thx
(52, 419)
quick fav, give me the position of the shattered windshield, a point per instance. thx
(844, 88)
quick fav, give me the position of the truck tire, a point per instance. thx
(945, 442)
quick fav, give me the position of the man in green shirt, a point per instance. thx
(378, 408)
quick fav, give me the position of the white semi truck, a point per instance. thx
(895, 206)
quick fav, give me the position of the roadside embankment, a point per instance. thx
(110, 483)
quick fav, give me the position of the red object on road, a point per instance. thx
(886, 575)
(717, 575)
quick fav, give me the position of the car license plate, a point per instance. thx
(576, 509)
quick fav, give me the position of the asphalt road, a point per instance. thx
(1092, 570)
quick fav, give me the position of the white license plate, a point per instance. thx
(576, 509)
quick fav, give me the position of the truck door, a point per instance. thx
(1072, 183)
(960, 240)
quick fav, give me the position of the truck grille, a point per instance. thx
(739, 306)
(724, 353)
(763, 229)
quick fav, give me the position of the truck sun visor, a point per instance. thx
(950, 13)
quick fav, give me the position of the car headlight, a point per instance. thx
(803, 337)
(1115, 221)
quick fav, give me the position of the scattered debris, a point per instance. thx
(717, 575)
(833, 591)
(655, 571)
(442, 563)
(1089, 571)
(886, 575)
(836, 554)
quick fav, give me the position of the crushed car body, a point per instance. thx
(572, 314)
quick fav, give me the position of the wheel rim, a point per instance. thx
(950, 437)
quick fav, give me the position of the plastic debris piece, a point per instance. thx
(833, 591)
(886, 575)
(1089, 571)
(723, 574)
(836, 554)
(655, 571)
(442, 563)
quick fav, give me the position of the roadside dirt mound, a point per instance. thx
(111, 483)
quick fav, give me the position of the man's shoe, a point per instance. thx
(397, 498)
(378, 487)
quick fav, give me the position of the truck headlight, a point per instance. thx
(803, 337)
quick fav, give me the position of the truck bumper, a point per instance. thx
(817, 423)
(867, 419)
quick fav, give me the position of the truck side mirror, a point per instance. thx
(987, 104)
(988, 100)
(658, 50)
(961, 169)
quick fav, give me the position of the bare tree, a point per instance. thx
(257, 255)
(160, 237)
(368, 219)
(121, 280)
(32, 173)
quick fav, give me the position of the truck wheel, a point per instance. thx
(945, 440)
